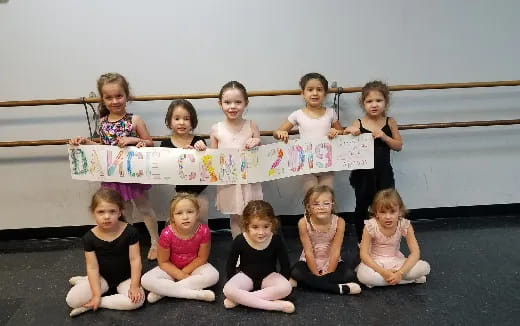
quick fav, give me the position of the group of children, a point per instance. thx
(182, 250)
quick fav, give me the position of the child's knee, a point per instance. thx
(73, 301)
(228, 289)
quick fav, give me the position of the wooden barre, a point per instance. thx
(292, 132)
(261, 93)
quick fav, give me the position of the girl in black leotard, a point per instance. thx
(181, 118)
(374, 101)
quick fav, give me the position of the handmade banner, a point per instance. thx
(158, 165)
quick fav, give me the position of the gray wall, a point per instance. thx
(57, 49)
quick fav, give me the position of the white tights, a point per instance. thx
(370, 277)
(161, 283)
(81, 293)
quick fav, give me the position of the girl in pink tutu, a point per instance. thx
(234, 132)
(120, 128)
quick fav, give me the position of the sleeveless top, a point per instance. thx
(381, 149)
(111, 131)
(321, 244)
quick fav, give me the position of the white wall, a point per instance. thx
(57, 49)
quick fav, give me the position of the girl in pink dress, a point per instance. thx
(321, 234)
(184, 246)
(381, 261)
(117, 127)
(234, 132)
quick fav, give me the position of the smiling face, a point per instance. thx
(259, 230)
(184, 216)
(374, 104)
(114, 97)
(233, 103)
(321, 206)
(107, 215)
(314, 93)
(180, 122)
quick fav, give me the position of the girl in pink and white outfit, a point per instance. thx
(382, 261)
(184, 246)
(313, 121)
(234, 132)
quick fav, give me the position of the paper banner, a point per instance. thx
(160, 165)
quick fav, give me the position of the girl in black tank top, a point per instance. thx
(366, 183)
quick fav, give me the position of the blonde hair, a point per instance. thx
(261, 210)
(387, 199)
(110, 196)
(311, 195)
(177, 198)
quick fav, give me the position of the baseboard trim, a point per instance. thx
(287, 220)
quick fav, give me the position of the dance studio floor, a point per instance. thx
(475, 280)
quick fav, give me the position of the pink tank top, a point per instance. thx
(321, 244)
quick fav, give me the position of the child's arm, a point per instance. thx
(80, 140)
(367, 260)
(163, 259)
(232, 258)
(93, 279)
(282, 133)
(283, 259)
(307, 246)
(255, 140)
(353, 129)
(213, 141)
(143, 139)
(201, 259)
(413, 258)
(134, 293)
(336, 129)
(335, 246)
(395, 142)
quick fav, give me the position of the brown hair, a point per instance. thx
(375, 85)
(311, 195)
(180, 196)
(262, 210)
(233, 84)
(186, 105)
(314, 75)
(111, 77)
(387, 199)
(110, 196)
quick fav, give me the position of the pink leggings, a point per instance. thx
(274, 287)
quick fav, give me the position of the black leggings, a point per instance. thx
(366, 184)
(327, 283)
